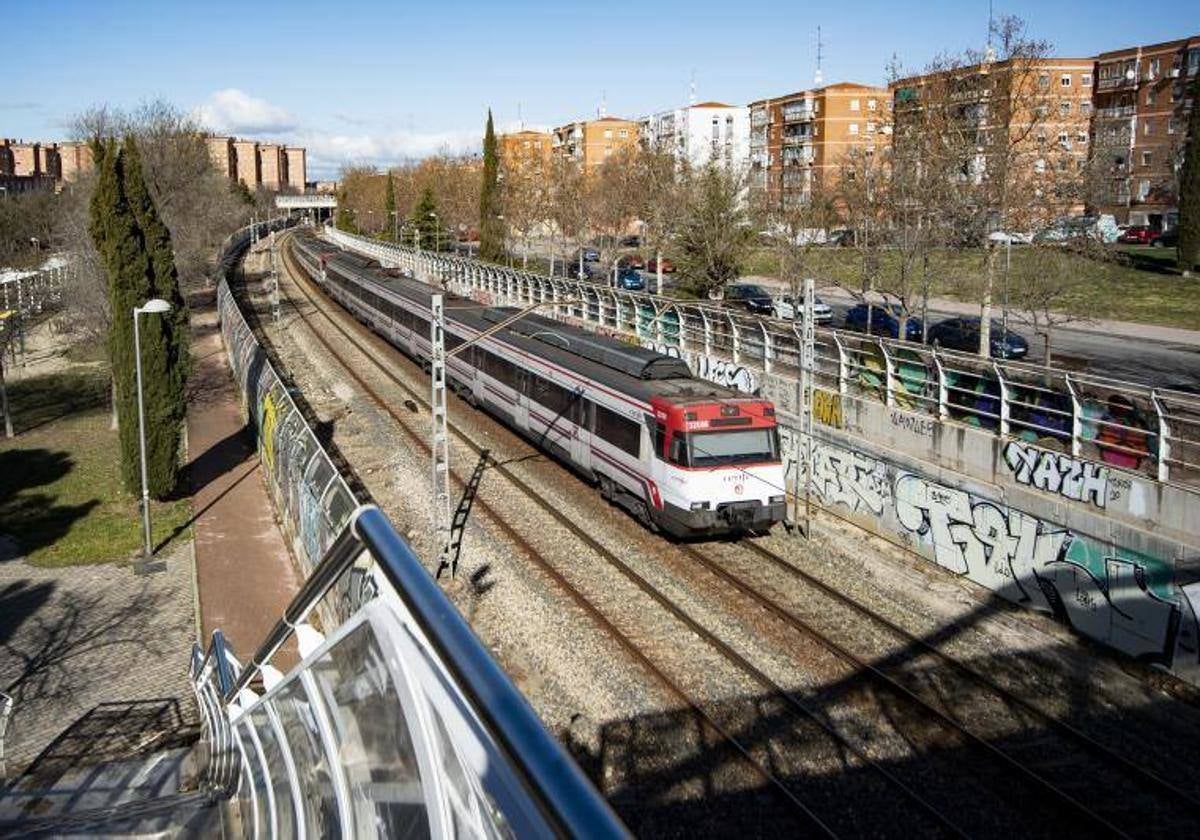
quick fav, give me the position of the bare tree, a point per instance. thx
(569, 207)
(660, 182)
(1042, 288)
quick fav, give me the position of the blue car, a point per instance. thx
(630, 280)
(963, 334)
(885, 321)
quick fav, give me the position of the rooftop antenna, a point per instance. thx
(602, 111)
(819, 77)
(692, 90)
(990, 52)
(520, 119)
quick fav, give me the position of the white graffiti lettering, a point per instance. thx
(1054, 472)
(727, 374)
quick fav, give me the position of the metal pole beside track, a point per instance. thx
(440, 433)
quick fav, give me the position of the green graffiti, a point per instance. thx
(1158, 574)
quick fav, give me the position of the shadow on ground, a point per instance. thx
(34, 520)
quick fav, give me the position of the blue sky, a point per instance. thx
(381, 81)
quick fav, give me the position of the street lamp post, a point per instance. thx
(154, 306)
(395, 226)
(437, 232)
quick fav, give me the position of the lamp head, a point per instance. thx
(155, 306)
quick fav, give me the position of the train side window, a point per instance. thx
(679, 449)
(617, 430)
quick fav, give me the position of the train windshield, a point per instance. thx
(744, 446)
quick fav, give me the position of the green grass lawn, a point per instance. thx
(1138, 286)
(61, 497)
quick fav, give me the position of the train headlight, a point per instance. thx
(778, 500)
(699, 505)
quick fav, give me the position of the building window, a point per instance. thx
(1085, 107)
(853, 104)
(870, 128)
(1172, 125)
(1143, 190)
(1176, 92)
(871, 104)
(1154, 67)
(1044, 81)
(1063, 139)
(1085, 80)
(1149, 96)
(1065, 81)
(1147, 128)
(1147, 157)
(1064, 108)
(1081, 137)
(608, 134)
(1039, 166)
(854, 128)
(624, 133)
(1193, 61)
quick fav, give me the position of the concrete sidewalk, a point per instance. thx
(244, 573)
(946, 306)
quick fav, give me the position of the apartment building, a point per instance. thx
(700, 133)
(526, 146)
(591, 142)
(1142, 101)
(799, 143)
(1046, 105)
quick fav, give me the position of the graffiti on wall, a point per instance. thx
(1056, 472)
(827, 407)
(720, 371)
(1110, 593)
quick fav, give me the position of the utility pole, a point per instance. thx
(274, 280)
(8, 426)
(440, 434)
(804, 387)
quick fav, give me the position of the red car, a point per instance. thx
(633, 261)
(1137, 235)
(667, 266)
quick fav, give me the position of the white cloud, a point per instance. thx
(328, 153)
(234, 111)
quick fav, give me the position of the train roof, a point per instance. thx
(633, 370)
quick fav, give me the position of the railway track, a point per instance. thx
(779, 612)
(776, 691)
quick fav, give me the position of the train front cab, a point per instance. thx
(718, 467)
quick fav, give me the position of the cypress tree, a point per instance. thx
(491, 227)
(389, 208)
(424, 219)
(118, 240)
(165, 358)
(1188, 254)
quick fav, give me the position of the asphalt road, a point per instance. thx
(1148, 362)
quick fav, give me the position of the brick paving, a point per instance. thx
(244, 572)
(76, 639)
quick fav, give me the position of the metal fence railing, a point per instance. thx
(1155, 431)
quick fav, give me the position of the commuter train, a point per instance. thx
(682, 454)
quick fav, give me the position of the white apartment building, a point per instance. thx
(700, 133)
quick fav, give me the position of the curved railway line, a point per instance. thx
(877, 672)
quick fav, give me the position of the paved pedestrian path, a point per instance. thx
(244, 573)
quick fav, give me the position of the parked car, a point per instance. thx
(885, 321)
(840, 238)
(751, 297)
(1137, 235)
(963, 334)
(589, 255)
(1005, 237)
(789, 309)
(631, 242)
(1102, 228)
(1169, 239)
(631, 261)
(668, 267)
(630, 280)
(588, 271)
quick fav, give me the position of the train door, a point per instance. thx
(581, 441)
(521, 410)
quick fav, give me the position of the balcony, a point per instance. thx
(758, 119)
(1116, 111)
(798, 113)
(797, 139)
